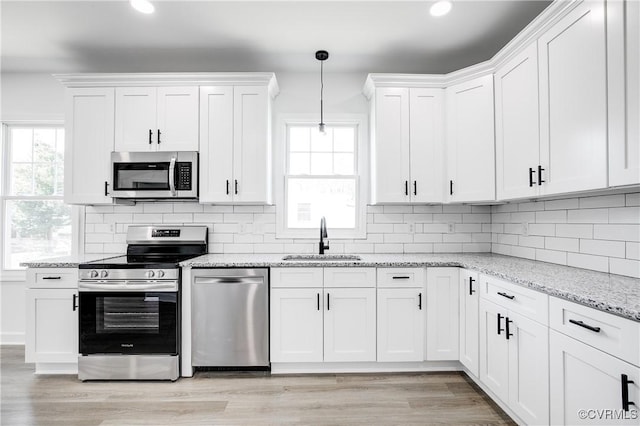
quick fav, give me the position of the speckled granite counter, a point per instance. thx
(610, 293)
(67, 261)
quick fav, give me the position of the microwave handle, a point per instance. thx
(172, 176)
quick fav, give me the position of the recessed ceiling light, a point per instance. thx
(142, 6)
(440, 8)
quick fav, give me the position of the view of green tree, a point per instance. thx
(38, 218)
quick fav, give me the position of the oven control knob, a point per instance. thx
(150, 274)
(104, 274)
(93, 274)
(160, 274)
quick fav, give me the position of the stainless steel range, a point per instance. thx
(129, 306)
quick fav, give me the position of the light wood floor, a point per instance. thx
(247, 399)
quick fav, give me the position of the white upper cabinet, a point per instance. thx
(156, 119)
(470, 141)
(407, 132)
(89, 142)
(517, 126)
(623, 45)
(235, 152)
(573, 101)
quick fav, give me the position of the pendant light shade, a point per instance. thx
(322, 55)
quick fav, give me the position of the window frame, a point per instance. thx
(19, 274)
(281, 157)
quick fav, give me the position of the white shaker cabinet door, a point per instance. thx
(401, 324)
(528, 368)
(494, 349)
(216, 147)
(349, 324)
(52, 326)
(426, 133)
(470, 141)
(623, 45)
(517, 126)
(390, 150)
(136, 127)
(252, 145)
(585, 378)
(177, 111)
(573, 101)
(442, 314)
(88, 145)
(469, 318)
(296, 325)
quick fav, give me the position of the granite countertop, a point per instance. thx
(615, 294)
(68, 261)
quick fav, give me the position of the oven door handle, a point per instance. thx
(128, 286)
(172, 176)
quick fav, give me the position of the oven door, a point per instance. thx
(132, 323)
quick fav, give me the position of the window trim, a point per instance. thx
(280, 164)
(76, 211)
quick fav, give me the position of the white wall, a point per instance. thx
(31, 97)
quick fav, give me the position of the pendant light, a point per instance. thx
(322, 55)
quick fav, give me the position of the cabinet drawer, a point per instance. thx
(400, 277)
(350, 277)
(530, 303)
(617, 336)
(52, 278)
(296, 277)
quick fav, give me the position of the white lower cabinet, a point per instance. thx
(469, 316)
(316, 324)
(296, 325)
(514, 361)
(587, 385)
(52, 320)
(442, 314)
(401, 314)
(350, 324)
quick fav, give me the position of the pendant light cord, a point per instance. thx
(321, 92)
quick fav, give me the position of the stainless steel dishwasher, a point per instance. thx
(230, 318)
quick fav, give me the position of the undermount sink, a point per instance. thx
(322, 257)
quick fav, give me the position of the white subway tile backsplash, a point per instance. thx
(157, 207)
(598, 233)
(551, 256)
(574, 230)
(542, 229)
(627, 267)
(633, 251)
(551, 216)
(617, 232)
(587, 261)
(624, 215)
(563, 244)
(564, 204)
(588, 216)
(602, 201)
(632, 199)
(603, 248)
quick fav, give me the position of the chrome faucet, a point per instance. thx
(323, 234)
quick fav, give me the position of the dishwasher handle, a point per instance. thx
(229, 280)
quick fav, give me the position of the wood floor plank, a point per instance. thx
(211, 398)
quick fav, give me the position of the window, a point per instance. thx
(322, 178)
(36, 222)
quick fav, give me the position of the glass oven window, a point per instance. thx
(141, 176)
(128, 315)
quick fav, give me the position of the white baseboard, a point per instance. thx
(8, 338)
(363, 367)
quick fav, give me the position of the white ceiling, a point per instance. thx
(361, 36)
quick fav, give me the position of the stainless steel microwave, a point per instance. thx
(154, 175)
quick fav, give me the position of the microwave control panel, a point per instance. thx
(183, 176)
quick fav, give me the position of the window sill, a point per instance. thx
(15, 276)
